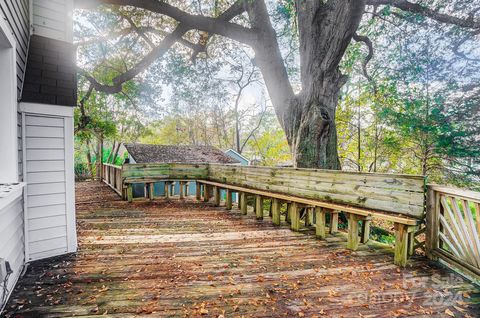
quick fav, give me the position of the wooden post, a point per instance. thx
(275, 208)
(365, 229)
(167, 190)
(411, 243)
(334, 222)
(172, 188)
(352, 239)
(259, 207)
(401, 242)
(206, 193)
(307, 216)
(288, 213)
(320, 222)
(151, 191)
(216, 196)
(187, 186)
(432, 223)
(294, 216)
(198, 188)
(182, 188)
(270, 209)
(243, 203)
(129, 192)
(228, 200)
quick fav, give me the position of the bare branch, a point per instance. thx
(411, 7)
(219, 25)
(368, 43)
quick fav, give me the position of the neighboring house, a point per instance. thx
(144, 153)
(237, 156)
(37, 95)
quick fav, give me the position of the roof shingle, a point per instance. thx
(144, 153)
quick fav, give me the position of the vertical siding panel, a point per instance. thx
(46, 190)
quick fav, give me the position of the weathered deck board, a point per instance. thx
(190, 259)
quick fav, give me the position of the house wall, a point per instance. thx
(12, 241)
(16, 13)
(53, 19)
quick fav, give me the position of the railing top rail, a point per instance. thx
(466, 194)
(392, 175)
(112, 165)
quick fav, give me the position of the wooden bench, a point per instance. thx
(404, 226)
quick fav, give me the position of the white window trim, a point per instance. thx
(45, 109)
(8, 109)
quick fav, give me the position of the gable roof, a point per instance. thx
(145, 153)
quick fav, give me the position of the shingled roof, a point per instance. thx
(144, 153)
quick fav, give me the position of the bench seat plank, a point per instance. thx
(397, 218)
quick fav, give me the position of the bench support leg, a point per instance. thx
(198, 191)
(411, 239)
(228, 202)
(129, 192)
(167, 190)
(288, 213)
(216, 196)
(333, 222)
(243, 203)
(365, 230)
(353, 239)
(151, 191)
(206, 193)
(182, 190)
(401, 244)
(259, 207)
(275, 207)
(294, 217)
(320, 223)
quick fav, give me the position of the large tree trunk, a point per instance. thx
(325, 29)
(308, 119)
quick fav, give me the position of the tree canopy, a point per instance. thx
(351, 83)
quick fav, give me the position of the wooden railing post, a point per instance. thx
(432, 223)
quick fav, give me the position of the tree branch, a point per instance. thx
(411, 7)
(219, 25)
(368, 43)
(159, 50)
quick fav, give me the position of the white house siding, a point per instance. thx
(53, 19)
(47, 194)
(12, 240)
(16, 14)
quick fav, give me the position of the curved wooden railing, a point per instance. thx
(112, 175)
(453, 228)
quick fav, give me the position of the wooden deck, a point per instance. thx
(190, 259)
